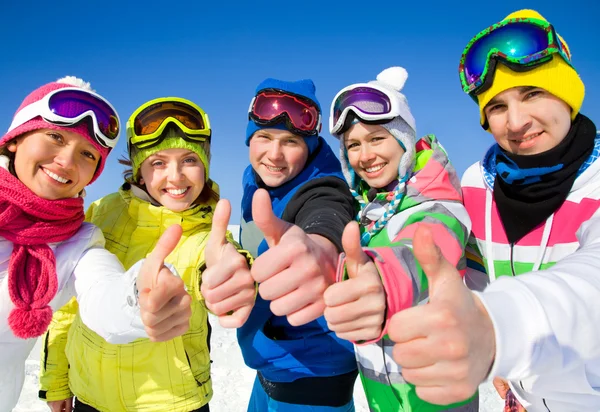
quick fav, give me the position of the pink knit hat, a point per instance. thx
(39, 123)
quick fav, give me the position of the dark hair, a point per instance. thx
(11, 156)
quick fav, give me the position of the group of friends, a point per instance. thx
(379, 262)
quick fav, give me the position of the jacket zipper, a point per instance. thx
(190, 365)
(512, 263)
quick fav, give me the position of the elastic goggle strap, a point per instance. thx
(521, 44)
(272, 106)
(147, 125)
(68, 106)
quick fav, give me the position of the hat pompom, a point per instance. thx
(394, 77)
(77, 82)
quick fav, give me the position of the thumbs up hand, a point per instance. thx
(446, 347)
(227, 286)
(356, 307)
(294, 273)
(164, 302)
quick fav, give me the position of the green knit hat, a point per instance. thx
(173, 139)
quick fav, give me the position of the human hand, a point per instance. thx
(446, 347)
(66, 405)
(294, 273)
(164, 303)
(501, 386)
(356, 306)
(227, 286)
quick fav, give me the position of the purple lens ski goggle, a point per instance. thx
(368, 103)
(68, 106)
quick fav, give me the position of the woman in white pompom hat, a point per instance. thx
(400, 183)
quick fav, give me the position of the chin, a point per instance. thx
(374, 183)
(181, 207)
(274, 182)
(173, 206)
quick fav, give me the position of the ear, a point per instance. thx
(12, 146)
(142, 181)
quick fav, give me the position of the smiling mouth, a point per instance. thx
(273, 168)
(55, 176)
(375, 168)
(527, 138)
(177, 192)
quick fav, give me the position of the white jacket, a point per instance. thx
(104, 290)
(547, 327)
(547, 322)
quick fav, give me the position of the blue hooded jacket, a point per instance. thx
(311, 350)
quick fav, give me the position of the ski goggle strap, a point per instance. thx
(367, 102)
(520, 43)
(147, 124)
(271, 106)
(68, 106)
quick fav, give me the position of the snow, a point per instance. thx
(232, 379)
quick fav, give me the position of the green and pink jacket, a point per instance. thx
(433, 197)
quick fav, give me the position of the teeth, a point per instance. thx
(274, 169)
(55, 176)
(177, 192)
(374, 168)
(530, 137)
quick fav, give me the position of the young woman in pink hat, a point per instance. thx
(56, 145)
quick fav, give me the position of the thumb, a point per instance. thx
(155, 260)
(270, 225)
(218, 232)
(442, 277)
(355, 257)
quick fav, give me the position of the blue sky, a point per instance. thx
(216, 54)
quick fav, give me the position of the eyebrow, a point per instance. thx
(286, 136)
(522, 90)
(163, 156)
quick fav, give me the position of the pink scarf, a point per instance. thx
(31, 222)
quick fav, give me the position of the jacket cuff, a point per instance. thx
(55, 394)
(396, 284)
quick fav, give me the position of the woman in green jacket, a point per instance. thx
(169, 152)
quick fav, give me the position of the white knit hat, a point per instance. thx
(401, 124)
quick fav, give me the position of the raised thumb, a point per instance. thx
(355, 257)
(155, 260)
(270, 225)
(218, 232)
(442, 276)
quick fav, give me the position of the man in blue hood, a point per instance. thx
(295, 206)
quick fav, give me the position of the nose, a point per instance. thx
(366, 155)
(518, 120)
(275, 151)
(65, 157)
(174, 172)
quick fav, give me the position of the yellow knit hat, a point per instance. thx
(556, 76)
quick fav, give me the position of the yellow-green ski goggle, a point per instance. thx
(147, 124)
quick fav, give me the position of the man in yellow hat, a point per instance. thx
(534, 203)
